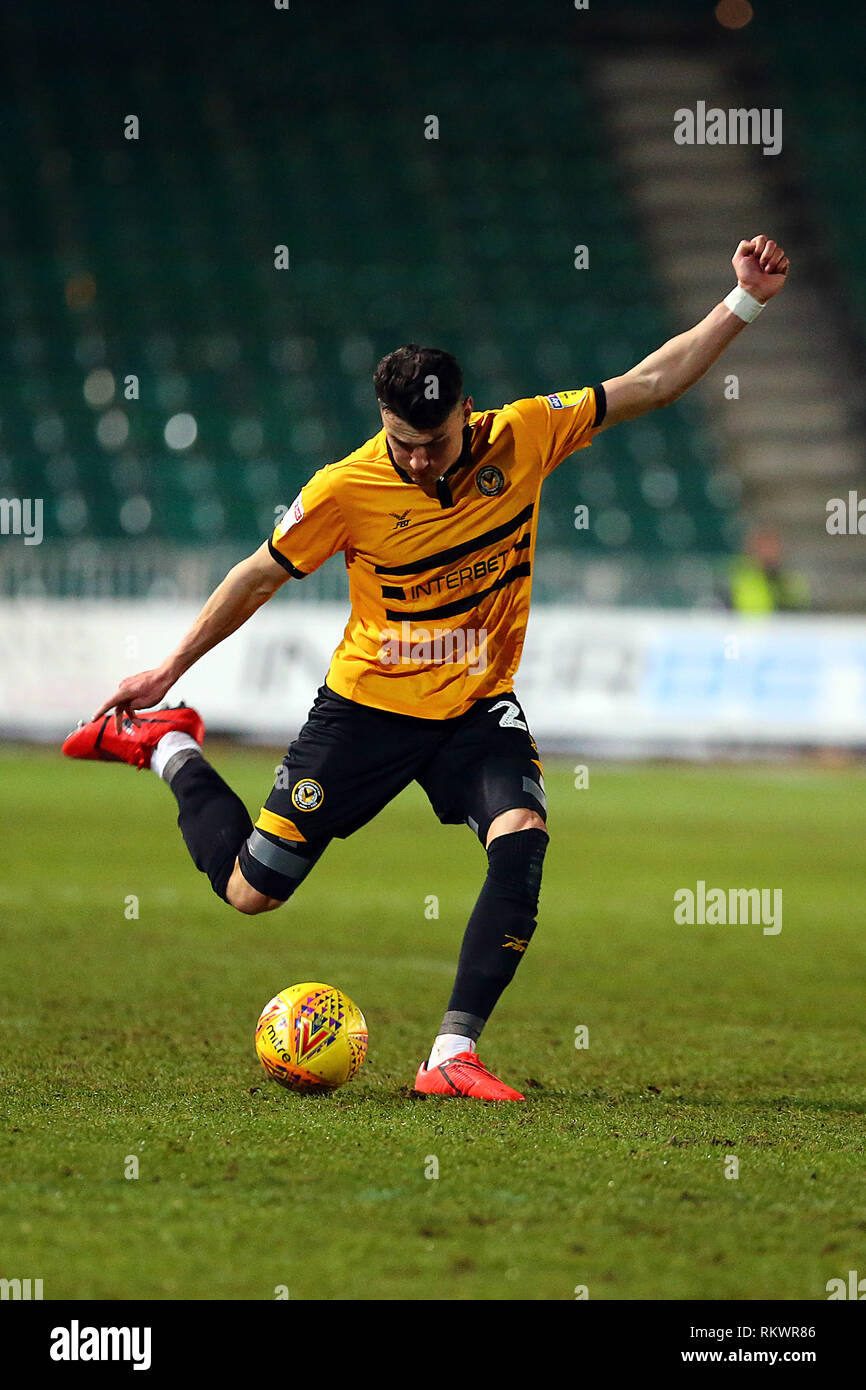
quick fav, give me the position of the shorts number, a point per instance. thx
(511, 718)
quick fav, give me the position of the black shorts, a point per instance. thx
(350, 760)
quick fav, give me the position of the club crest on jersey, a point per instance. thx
(307, 795)
(489, 480)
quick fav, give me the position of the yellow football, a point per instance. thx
(311, 1037)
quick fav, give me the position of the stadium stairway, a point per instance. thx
(792, 435)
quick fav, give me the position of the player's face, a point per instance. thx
(426, 454)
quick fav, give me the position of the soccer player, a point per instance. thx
(436, 516)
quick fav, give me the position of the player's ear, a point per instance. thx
(467, 408)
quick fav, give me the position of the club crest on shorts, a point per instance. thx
(307, 795)
(489, 480)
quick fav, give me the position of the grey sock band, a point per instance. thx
(468, 1025)
(177, 760)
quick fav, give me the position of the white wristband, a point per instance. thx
(743, 304)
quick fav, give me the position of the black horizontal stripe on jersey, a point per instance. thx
(286, 564)
(600, 405)
(395, 591)
(460, 605)
(456, 552)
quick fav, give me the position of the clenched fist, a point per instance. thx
(761, 267)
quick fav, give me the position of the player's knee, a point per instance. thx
(246, 899)
(509, 822)
(269, 870)
(251, 903)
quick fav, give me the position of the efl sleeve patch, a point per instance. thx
(293, 514)
(560, 399)
(570, 419)
(312, 529)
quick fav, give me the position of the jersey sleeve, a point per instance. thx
(562, 422)
(312, 530)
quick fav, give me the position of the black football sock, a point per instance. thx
(499, 930)
(213, 820)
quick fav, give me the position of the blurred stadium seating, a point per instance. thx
(153, 259)
(820, 68)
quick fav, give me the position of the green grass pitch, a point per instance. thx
(133, 1037)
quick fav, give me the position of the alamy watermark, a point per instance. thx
(855, 1287)
(421, 646)
(22, 516)
(20, 1290)
(703, 906)
(738, 126)
(77, 1343)
(846, 516)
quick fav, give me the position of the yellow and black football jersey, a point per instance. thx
(439, 585)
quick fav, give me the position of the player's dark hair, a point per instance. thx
(421, 385)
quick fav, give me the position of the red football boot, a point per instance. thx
(463, 1075)
(136, 741)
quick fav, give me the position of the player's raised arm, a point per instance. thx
(761, 267)
(245, 588)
